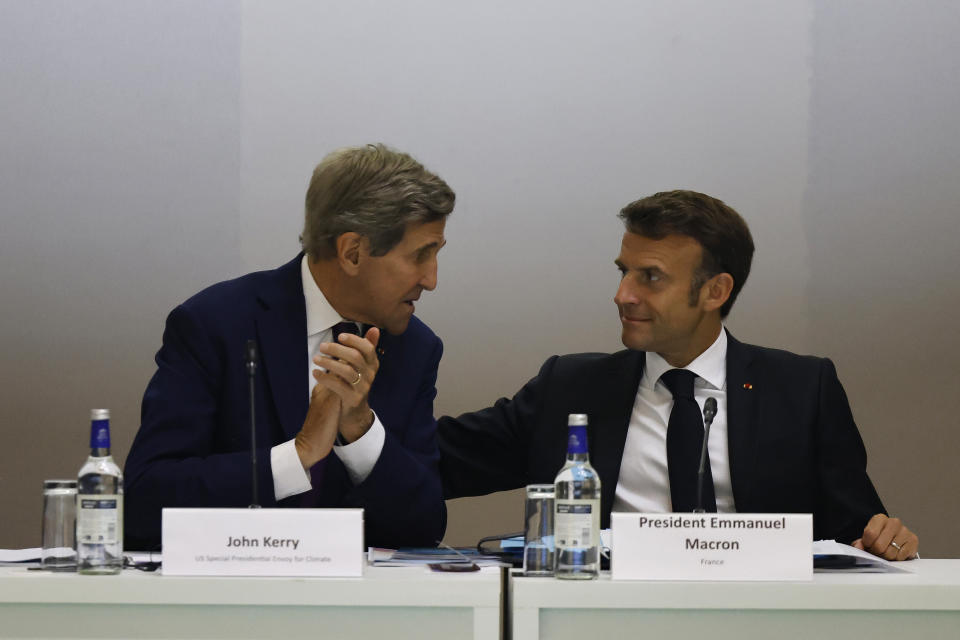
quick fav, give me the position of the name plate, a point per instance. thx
(263, 542)
(712, 546)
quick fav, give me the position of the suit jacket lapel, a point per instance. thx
(742, 426)
(612, 419)
(282, 332)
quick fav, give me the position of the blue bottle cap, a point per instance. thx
(99, 428)
(577, 439)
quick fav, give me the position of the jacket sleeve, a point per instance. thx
(847, 498)
(487, 450)
(172, 462)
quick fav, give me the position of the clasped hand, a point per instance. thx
(339, 401)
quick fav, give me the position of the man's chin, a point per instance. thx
(631, 340)
(396, 327)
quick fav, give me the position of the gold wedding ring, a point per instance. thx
(357, 381)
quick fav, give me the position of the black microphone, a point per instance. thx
(709, 411)
(250, 359)
(250, 362)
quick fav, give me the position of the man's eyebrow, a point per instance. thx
(650, 268)
(439, 244)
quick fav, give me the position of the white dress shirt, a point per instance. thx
(644, 482)
(359, 457)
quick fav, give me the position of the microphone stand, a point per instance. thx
(709, 411)
(251, 364)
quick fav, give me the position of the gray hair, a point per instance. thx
(374, 191)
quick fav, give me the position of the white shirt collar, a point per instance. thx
(320, 315)
(711, 365)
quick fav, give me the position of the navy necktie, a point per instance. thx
(312, 498)
(344, 327)
(684, 441)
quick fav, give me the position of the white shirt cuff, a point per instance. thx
(289, 476)
(362, 454)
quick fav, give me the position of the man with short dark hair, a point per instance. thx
(783, 439)
(373, 226)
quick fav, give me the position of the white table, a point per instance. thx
(400, 603)
(388, 602)
(924, 604)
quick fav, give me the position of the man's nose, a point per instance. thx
(429, 278)
(626, 293)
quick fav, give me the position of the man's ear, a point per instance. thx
(351, 249)
(717, 291)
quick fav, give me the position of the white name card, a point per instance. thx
(263, 542)
(712, 546)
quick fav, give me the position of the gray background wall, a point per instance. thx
(148, 149)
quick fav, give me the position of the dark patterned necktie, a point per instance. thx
(312, 498)
(684, 441)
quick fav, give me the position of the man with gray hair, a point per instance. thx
(345, 367)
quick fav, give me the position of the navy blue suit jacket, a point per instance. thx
(193, 446)
(793, 444)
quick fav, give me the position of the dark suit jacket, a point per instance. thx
(793, 445)
(193, 447)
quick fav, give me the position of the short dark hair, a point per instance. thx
(722, 233)
(375, 191)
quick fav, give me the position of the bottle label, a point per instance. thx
(98, 518)
(577, 523)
